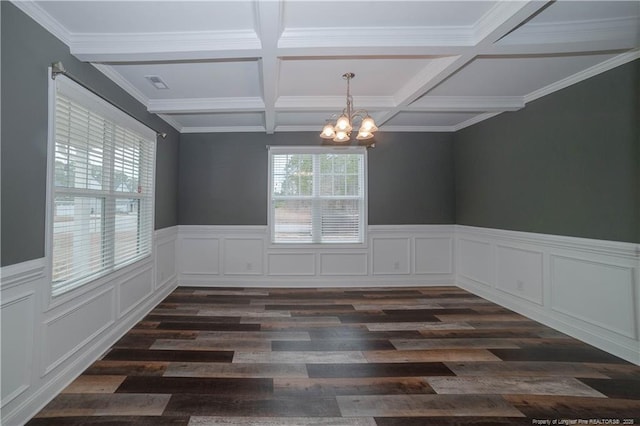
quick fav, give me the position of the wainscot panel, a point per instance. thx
(166, 256)
(69, 331)
(475, 260)
(291, 264)
(393, 255)
(199, 255)
(48, 343)
(346, 264)
(434, 255)
(519, 272)
(243, 256)
(134, 289)
(17, 344)
(605, 296)
(586, 288)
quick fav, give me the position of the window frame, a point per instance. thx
(108, 111)
(284, 150)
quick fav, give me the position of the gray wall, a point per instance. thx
(223, 177)
(567, 164)
(27, 51)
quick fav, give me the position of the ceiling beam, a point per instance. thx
(499, 21)
(269, 27)
(145, 47)
(204, 105)
(332, 103)
(466, 104)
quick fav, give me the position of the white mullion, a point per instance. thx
(316, 202)
(109, 206)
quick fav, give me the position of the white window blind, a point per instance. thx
(317, 195)
(102, 192)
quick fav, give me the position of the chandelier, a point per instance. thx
(341, 130)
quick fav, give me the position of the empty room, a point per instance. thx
(297, 212)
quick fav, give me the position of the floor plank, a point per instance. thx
(343, 357)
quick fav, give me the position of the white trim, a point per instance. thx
(27, 279)
(438, 129)
(477, 119)
(223, 129)
(611, 29)
(584, 75)
(124, 84)
(586, 245)
(171, 121)
(340, 37)
(204, 105)
(21, 273)
(27, 296)
(332, 103)
(322, 272)
(466, 103)
(117, 47)
(46, 369)
(616, 263)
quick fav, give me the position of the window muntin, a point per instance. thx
(317, 195)
(102, 187)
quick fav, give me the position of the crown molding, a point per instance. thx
(203, 105)
(474, 120)
(35, 12)
(124, 47)
(299, 128)
(171, 121)
(118, 79)
(223, 129)
(466, 104)
(612, 29)
(124, 84)
(386, 128)
(583, 75)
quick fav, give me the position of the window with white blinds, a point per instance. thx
(317, 195)
(102, 187)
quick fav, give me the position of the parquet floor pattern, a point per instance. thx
(364, 356)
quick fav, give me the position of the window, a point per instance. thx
(102, 164)
(317, 195)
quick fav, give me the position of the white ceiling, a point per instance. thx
(277, 65)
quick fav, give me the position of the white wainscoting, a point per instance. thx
(242, 255)
(46, 344)
(586, 288)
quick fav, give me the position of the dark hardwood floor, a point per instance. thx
(403, 356)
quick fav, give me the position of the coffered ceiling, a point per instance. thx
(277, 65)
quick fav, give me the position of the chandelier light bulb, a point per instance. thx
(368, 124)
(364, 135)
(341, 137)
(328, 132)
(343, 125)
